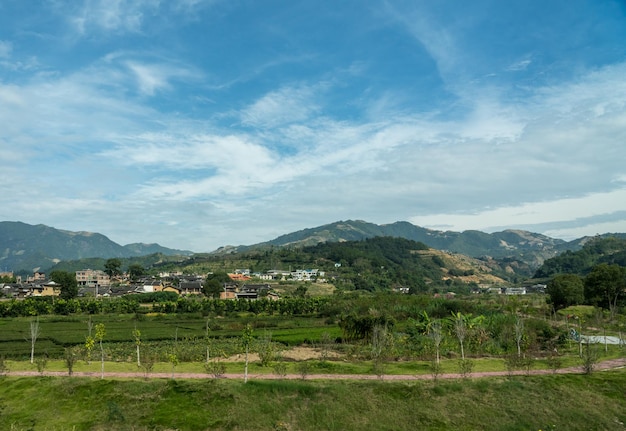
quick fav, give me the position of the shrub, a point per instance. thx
(280, 369)
(304, 369)
(216, 368)
(466, 366)
(42, 363)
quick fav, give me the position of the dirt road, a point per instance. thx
(605, 365)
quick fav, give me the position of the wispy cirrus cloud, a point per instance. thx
(435, 114)
(152, 78)
(112, 15)
(6, 48)
(280, 107)
(128, 16)
(519, 65)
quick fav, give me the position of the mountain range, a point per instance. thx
(533, 248)
(28, 248)
(25, 247)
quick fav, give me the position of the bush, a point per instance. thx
(304, 369)
(42, 363)
(280, 369)
(466, 366)
(216, 368)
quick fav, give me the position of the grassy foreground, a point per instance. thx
(548, 402)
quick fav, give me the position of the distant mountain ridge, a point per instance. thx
(25, 247)
(530, 248)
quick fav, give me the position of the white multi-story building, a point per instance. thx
(304, 274)
(92, 278)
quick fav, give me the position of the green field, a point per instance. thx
(176, 343)
(550, 402)
(58, 332)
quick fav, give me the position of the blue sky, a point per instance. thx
(202, 123)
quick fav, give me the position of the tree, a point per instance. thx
(435, 332)
(566, 290)
(459, 326)
(8, 279)
(34, 333)
(113, 267)
(519, 334)
(100, 333)
(137, 337)
(136, 271)
(70, 359)
(90, 341)
(605, 285)
(301, 291)
(207, 340)
(172, 358)
(67, 282)
(382, 343)
(212, 288)
(214, 284)
(246, 340)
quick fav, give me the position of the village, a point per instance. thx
(97, 284)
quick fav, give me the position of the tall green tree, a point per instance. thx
(67, 282)
(136, 271)
(565, 290)
(137, 337)
(246, 341)
(605, 286)
(212, 288)
(100, 333)
(214, 284)
(112, 267)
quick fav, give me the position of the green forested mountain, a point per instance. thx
(148, 261)
(25, 247)
(472, 243)
(528, 248)
(378, 263)
(609, 250)
(511, 253)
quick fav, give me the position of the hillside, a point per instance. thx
(602, 249)
(26, 248)
(511, 254)
(377, 263)
(526, 250)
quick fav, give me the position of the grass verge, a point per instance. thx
(558, 402)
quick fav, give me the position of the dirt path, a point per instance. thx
(605, 365)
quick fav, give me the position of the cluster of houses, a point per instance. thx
(523, 290)
(35, 285)
(96, 283)
(277, 274)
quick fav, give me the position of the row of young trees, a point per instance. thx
(494, 334)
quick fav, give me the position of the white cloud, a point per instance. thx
(112, 157)
(6, 49)
(519, 65)
(530, 213)
(152, 78)
(113, 15)
(284, 106)
(189, 6)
